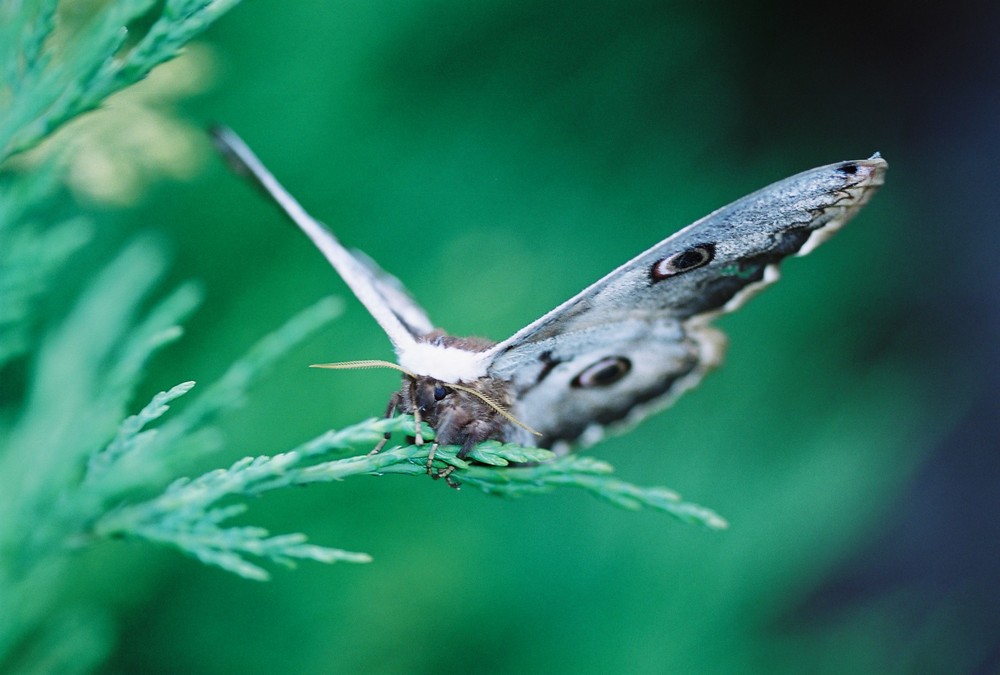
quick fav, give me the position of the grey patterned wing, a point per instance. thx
(630, 343)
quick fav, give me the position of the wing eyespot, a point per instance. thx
(685, 261)
(603, 373)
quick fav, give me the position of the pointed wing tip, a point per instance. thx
(233, 150)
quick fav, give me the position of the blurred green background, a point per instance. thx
(499, 156)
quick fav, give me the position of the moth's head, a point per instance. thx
(428, 392)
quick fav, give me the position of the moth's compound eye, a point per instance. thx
(848, 168)
(605, 372)
(440, 392)
(685, 261)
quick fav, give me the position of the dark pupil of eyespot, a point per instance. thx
(439, 392)
(603, 373)
(606, 375)
(690, 258)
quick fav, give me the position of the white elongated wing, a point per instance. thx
(382, 294)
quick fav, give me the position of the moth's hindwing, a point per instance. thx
(613, 375)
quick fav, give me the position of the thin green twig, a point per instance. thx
(190, 513)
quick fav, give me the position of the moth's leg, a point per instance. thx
(390, 410)
(430, 458)
(446, 474)
(463, 452)
(418, 438)
(468, 445)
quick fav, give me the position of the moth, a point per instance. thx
(622, 348)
